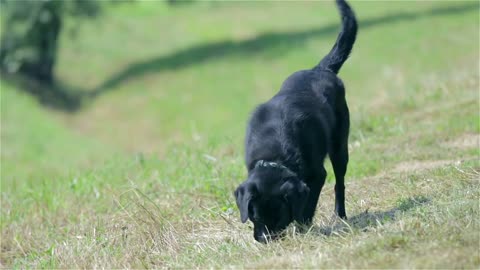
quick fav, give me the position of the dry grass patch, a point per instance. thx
(398, 220)
(465, 141)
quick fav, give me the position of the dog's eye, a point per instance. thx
(257, 219)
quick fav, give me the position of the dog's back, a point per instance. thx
(301, 116)
(310, 96)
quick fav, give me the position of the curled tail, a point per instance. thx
(334, 60)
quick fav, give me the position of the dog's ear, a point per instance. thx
(243, 195)
(296, 193)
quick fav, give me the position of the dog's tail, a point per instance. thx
(334, 60)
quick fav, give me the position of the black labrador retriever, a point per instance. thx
(288, 138)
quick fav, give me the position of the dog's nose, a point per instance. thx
(265, 238)
(262, 238)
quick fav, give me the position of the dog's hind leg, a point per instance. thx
(339, 163)
(339, 158)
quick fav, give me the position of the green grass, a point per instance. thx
(142, 175)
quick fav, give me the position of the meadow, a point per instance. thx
(141, 173)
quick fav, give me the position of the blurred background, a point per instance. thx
(98, 97)
(139, 74)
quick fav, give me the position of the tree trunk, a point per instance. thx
(41, 38)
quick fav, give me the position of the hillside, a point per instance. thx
(142, 174)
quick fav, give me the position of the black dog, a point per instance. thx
(288, 138)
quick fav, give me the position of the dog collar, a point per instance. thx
(263, 163)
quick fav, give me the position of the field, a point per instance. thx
(139, 171)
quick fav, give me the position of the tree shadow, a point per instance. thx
(367, 220)
(56, 96)
(67, 98)
(259, 44)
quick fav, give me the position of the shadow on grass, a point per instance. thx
(257, 45)
(56, 96)
(67, 99)
(366, 220)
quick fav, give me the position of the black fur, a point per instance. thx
(294, 131)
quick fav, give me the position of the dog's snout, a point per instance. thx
(263, 238)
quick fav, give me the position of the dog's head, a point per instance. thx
(272, 200)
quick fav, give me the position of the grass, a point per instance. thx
(142, 175)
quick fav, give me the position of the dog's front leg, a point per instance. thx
(315, 185)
